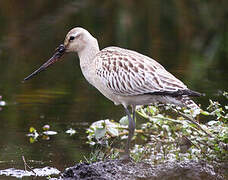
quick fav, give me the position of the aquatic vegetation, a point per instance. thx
(34, 134)
(71, 131)
(178, 139)
(104, 128)
(45, 133)
(2, 103)
(167, 136)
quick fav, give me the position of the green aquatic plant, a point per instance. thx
(180, 139)
(167, 136)
(45, 133)
(34, 134)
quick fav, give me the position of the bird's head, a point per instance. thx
(76, 40)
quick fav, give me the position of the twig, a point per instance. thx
(205, 144)
(23, 158)
(191, 120)
(26, 165)
(198, 147)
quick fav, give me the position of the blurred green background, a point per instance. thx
(188, 37)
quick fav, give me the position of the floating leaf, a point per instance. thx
(32, 140)
(2, 103)
(71, 131)
(32, 129)
(46, 127)
(50, 133)
(45, 137)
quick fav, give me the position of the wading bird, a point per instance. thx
(123, 76)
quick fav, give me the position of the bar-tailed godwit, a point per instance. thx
(123, 76)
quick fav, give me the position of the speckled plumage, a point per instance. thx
(128, 73)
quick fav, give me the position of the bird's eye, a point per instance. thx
(71, 38)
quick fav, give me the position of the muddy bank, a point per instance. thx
(118, 170)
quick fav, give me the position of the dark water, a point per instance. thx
(189, 38)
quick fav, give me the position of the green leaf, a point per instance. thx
(112, 131)
(100, 132)
(206, 113)
(124, 121)
(32, 140)
(32, 129)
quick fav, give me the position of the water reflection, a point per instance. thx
(188, 38)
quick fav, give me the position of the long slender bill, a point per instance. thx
(57, 55)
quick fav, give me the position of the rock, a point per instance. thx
(120, 170)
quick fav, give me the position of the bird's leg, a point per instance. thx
(133, 113)
(131, 127)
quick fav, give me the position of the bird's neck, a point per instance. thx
(87, 55)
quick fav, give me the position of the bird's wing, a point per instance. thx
(127, 73)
